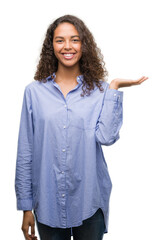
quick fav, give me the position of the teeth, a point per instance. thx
(68, 55)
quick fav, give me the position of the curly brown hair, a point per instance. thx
(91, 62)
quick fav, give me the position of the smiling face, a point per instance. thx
(67, 45)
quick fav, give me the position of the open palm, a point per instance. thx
(129, 82)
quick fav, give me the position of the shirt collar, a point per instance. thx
(79, 78)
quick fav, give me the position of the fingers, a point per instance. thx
(25, 232)
(142, 79)
(28, 236)
(32, 237)
(33, 231)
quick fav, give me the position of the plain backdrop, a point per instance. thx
(129, 34)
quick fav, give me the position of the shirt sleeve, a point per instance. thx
(111, 117)
(23, 179)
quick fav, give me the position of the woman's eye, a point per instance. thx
(75, 40)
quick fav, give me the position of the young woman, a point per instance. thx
(67, 114)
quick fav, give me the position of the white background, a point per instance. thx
(129, 34)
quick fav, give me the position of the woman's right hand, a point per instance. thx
(28, 221)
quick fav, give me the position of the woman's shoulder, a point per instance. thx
(33, 84)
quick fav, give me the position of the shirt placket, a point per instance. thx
(63, 166)
(62, 191)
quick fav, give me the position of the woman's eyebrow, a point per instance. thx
(71, 36)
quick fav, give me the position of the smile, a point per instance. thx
(68, 55)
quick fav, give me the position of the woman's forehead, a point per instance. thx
(66, 28)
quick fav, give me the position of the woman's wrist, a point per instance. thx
(27, 211)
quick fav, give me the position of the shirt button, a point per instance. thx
(115, 94)
(65, 105)
(64, 126)
(63, 150)
(63, 195)
(62, 172)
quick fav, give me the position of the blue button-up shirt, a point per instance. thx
(61, 172)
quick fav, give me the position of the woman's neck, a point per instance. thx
(67, 75)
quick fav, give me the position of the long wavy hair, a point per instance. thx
(91, 62)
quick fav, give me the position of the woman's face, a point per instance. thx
(67, 44)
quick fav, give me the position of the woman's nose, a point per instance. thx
(67, 45)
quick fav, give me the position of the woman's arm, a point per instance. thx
(23, 176)
(111, 116)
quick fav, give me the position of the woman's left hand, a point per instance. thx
(119, 82)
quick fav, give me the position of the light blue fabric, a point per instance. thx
(61, 172)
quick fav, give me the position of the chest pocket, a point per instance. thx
(84, 116)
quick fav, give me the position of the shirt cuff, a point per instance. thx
(24, 204)
(113, 94)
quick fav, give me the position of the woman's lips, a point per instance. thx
(68, 56)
